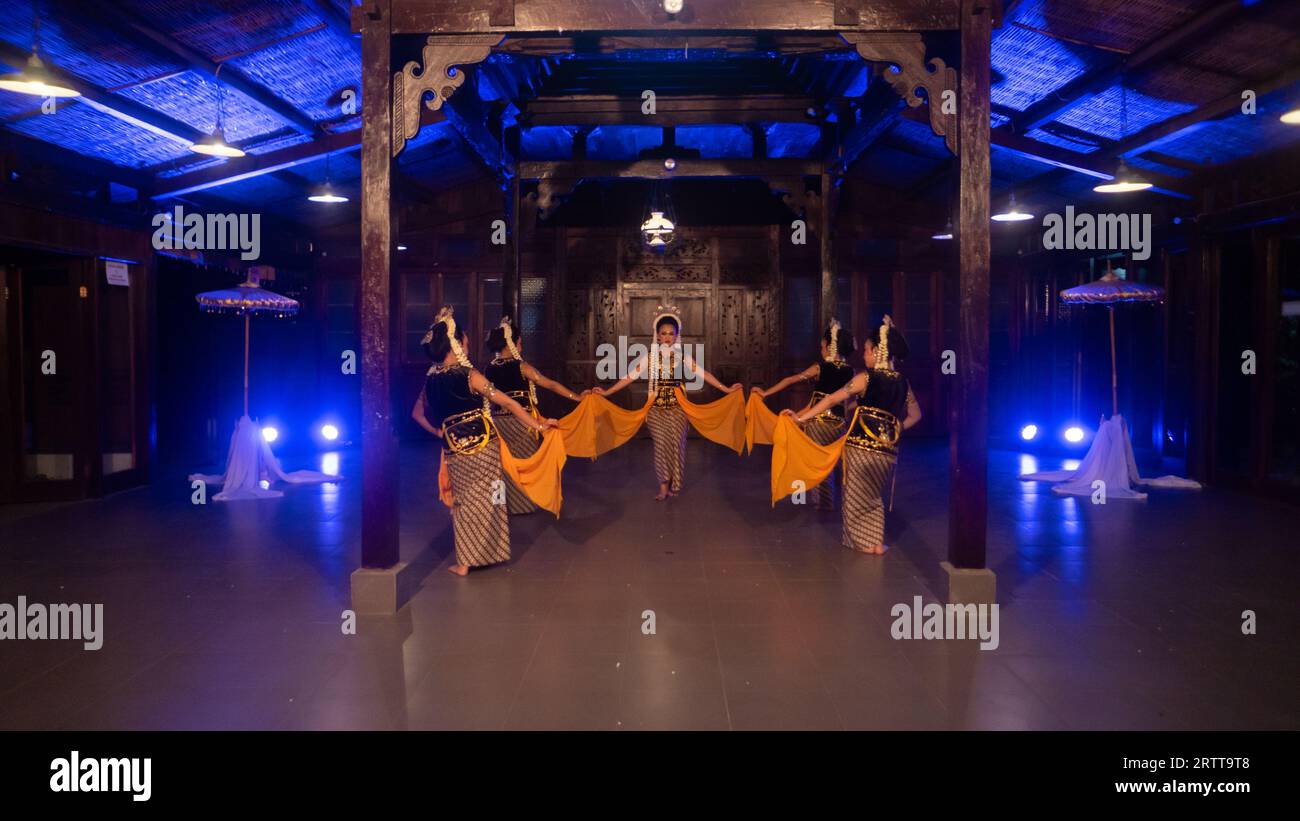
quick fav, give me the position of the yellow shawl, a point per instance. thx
(538, 476)
(796, 458)
(721, 421)
(759, 422)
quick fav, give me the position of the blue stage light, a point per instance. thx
(330, 432)
(270, 434)
(1074, 434)
(1029, 433)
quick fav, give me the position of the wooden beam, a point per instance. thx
(654, 169)
(424, 17)
(1179, 41)
(467, 114)
(1083, 163)
(338, 22)
(1227, 105)
(379, 469)
(109, 103)
(877, 117)
(968, 439)
(767, 44)
(36, 151)
(669, 110)
(139, 30)
(254, 165)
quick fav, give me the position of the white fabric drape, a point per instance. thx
(1110, 459)
(249, 462)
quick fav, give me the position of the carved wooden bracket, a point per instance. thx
(794, 192)
(906, 51)
(436, 77)
(548, 193)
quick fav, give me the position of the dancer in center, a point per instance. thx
(455, 406)
(667, 421)
(832, 373)
(886, 408)
(509, 373)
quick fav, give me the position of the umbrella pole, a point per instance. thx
(246, 357)
(1114, 379)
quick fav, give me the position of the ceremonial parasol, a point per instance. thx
(1109, 463)
(249, 462)
(247, 299)
(1107, 291)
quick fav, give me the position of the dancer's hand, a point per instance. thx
(587, 392)
(757, 391)
(735, 388)
(598, 391)
(790, 413)
(548, 424)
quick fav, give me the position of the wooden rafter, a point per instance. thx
(114, 105)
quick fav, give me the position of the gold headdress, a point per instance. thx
(445, 316)
(507, 330)
(662, 312)
(833, 349)
(882, 346)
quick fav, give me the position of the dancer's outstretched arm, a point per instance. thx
(708, 377)
(856, 385)
(533, 375)
(807, 373)
(479, 384)
(632, 374)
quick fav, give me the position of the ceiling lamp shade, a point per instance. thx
(35, 79)
(1123, 181)
(1013, 213)
(326, 192)
(216, 146)
(946, 233)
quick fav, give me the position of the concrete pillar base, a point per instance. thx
(969, 585)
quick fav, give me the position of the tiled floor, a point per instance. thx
(228, 616)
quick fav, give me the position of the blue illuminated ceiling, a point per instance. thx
(290, 73)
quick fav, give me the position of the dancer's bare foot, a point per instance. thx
(663, 492)
(459, 569)
(879, 550)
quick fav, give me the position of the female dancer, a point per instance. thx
(667, 421)
(509, 373)
(886, 407)
(832, 373)
(455, 407)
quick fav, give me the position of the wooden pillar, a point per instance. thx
(379, 487)
(511, 281)
(826, 232)
(968, 472)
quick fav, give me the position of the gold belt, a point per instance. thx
(461, 435)
(830, 414)
(519, 396)
(861, 435)
(664, 397)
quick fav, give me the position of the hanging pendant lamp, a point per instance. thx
(216, 145)
(1125, 180)
(35, 78)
